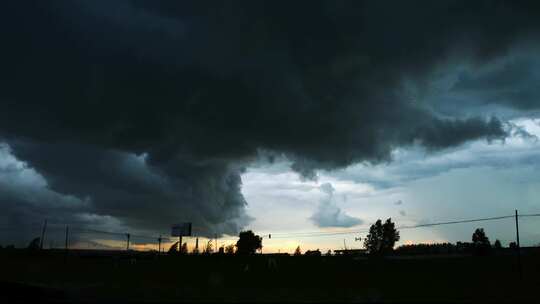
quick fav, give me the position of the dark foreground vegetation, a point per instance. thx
(94, 276)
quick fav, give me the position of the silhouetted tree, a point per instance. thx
(248, 243)
(464, 247)
(184, 249)
(390, 235)
(513, 245)
(208, 248)
(497, 244)
(381, 238)
(480, 241)
(229, 249)
(297, 251)
(173, 248)
(34, 244)
(373, 240)
(436, 248)
(480, 238)
(329, 252)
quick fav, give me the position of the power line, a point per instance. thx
(456, 222)
(98, 231)
(285, 235)
(529, 215)
(318, 233)
(333, 233)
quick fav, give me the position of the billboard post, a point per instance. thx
(180, 230)
(179, 244)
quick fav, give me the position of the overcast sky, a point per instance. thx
(284, 118)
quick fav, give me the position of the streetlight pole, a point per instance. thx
(262, 237)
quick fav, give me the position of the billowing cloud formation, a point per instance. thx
(25, 196)
(520, 148)
(328, 214)
(512, 82)
(124, 186)
(90, 87)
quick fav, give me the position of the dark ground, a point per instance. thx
(122, 277)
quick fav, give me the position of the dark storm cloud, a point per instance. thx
(25, 198)
(126, 187)
(513, 83)
(201, 87)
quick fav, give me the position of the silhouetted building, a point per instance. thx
(313, 252)
(350, 252)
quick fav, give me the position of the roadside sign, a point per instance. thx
(182, 229)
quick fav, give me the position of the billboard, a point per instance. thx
(182, 229)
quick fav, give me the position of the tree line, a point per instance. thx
(380, 240)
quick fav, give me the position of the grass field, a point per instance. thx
(124, 277)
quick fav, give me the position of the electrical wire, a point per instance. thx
(456, 222)
(285, 235)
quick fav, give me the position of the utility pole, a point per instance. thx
(66, 245)
(518, 247)
(43, 235)
(159, 244)
(128, 237)
(67, 234)
(215, 237)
